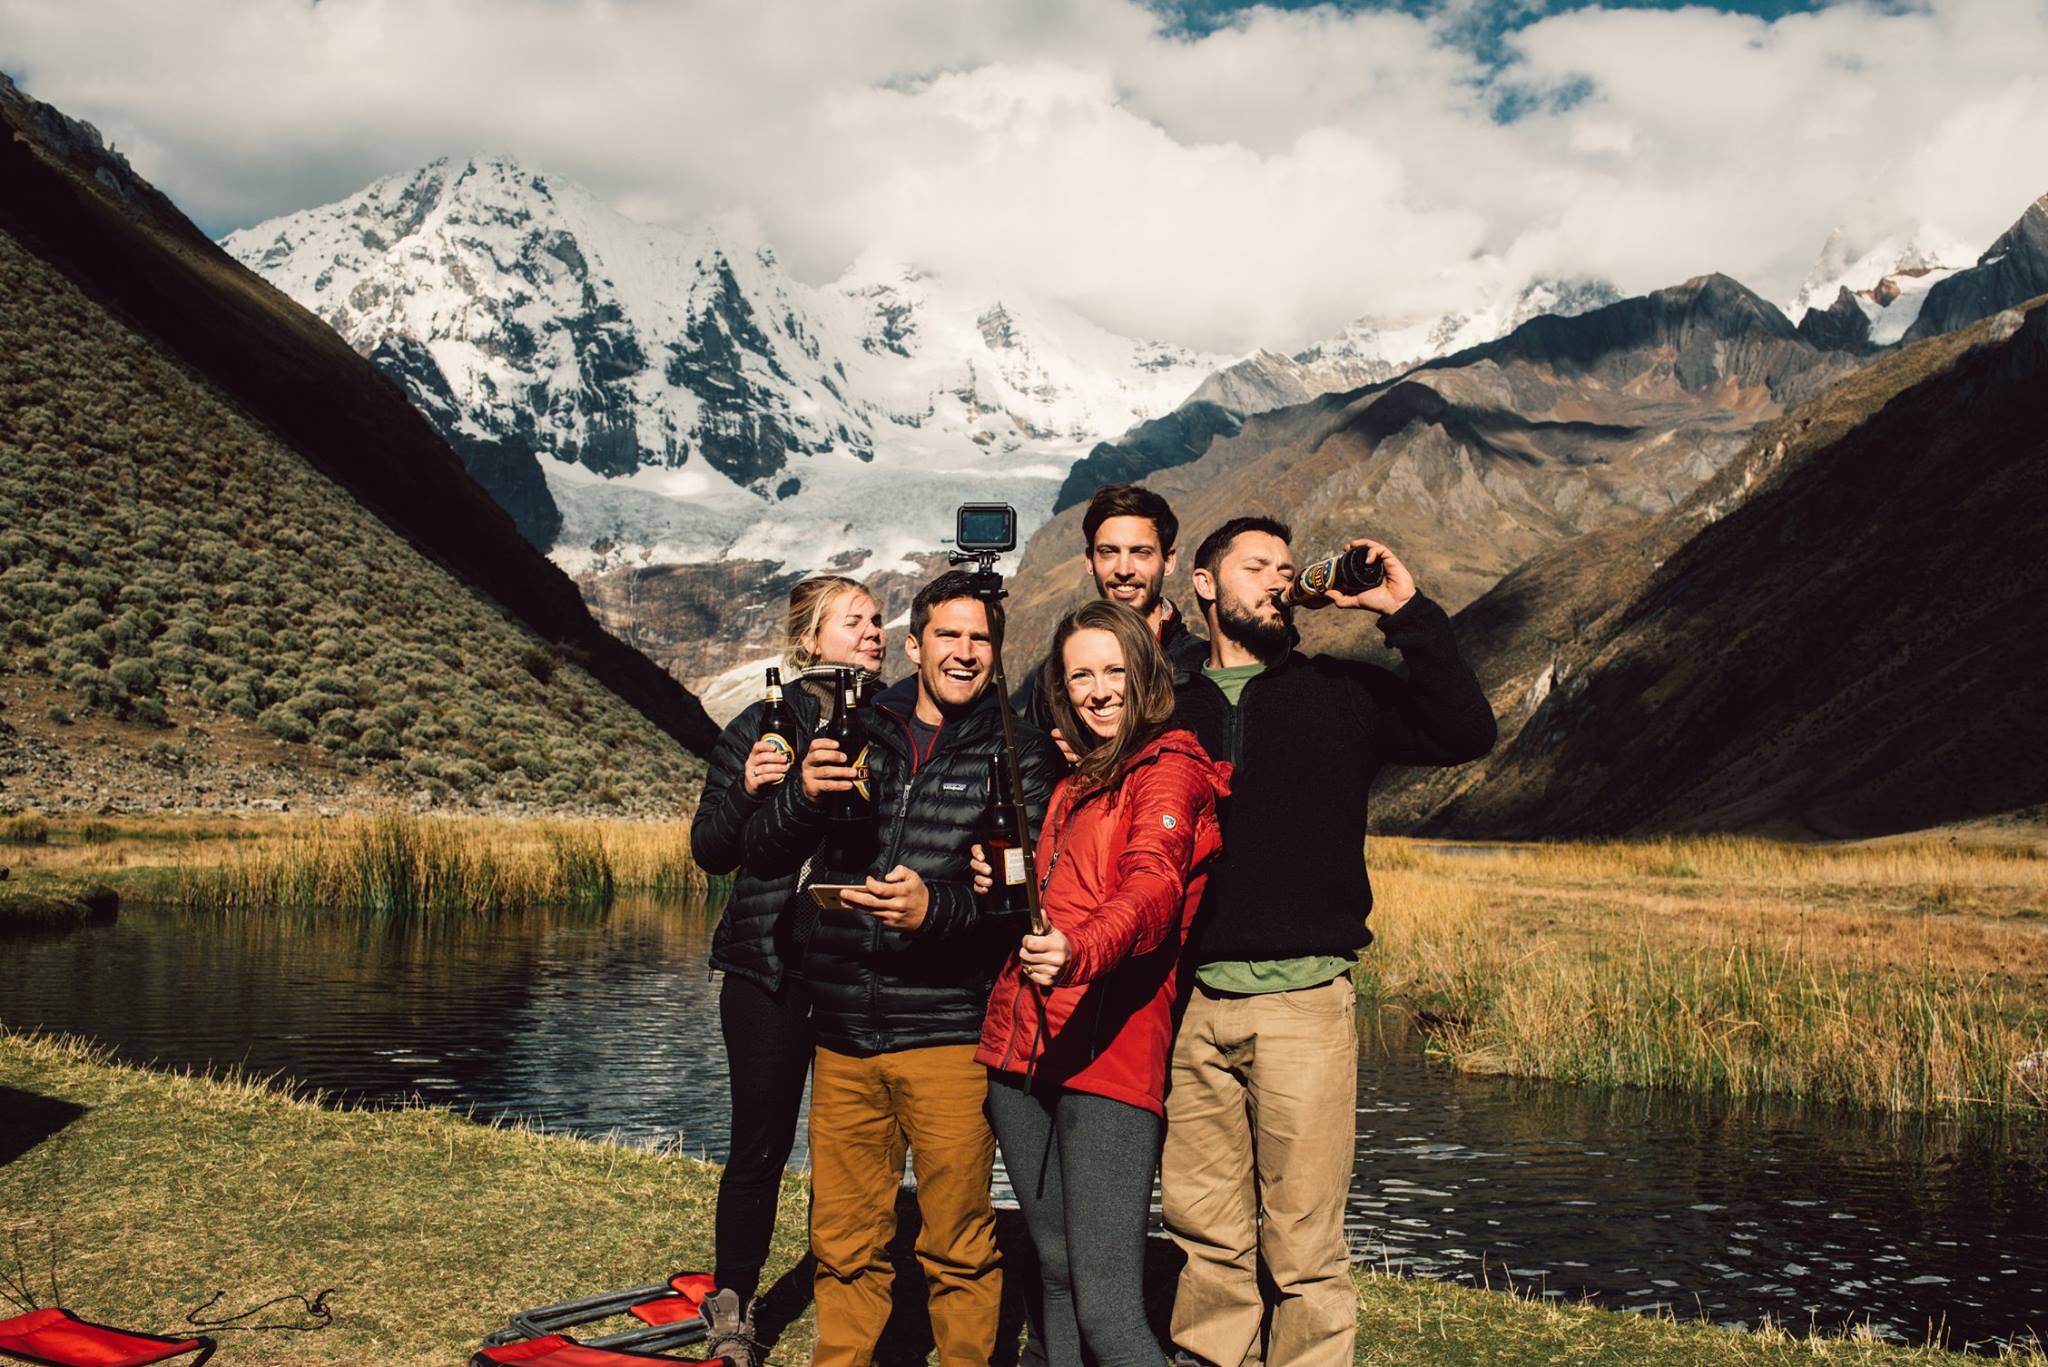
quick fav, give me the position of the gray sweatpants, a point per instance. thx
(1082, 1168)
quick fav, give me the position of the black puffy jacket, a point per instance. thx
(876, 990)
(752, 938)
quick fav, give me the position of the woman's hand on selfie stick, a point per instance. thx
(1043, 956)
(825, 770)
(984, 872)
(1391, 594)
(767, 765)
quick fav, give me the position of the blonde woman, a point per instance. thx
(763, 1009)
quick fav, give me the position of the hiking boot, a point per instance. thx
(729, 1332)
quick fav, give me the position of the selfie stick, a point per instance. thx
(988, 587)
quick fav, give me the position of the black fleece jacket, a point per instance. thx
(1307, 737)
(875, 990)
(752, 938)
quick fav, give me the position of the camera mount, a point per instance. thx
(984, 531)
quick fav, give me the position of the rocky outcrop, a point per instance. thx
(1179, 437)
(1842, 326)
(2011, 271)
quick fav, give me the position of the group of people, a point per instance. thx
(1199, 808)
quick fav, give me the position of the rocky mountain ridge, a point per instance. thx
(1472, 463)
(644, 395)
(1370, 350)
(1831, 637)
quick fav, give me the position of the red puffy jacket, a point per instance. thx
(1122, 875)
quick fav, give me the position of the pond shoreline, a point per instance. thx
(419, 1216)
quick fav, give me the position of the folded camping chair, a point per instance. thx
(556, 1350)
(58, 1338)
(669, 1310)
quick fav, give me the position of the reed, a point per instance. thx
(398, 867)
(1906, 977)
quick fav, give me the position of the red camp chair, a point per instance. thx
(58, 1338)
(669, 1310)
(557, 1350)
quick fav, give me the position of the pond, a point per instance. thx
(610, 1025)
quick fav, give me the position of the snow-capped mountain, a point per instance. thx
(1372, 349)
(634, 393)
(1887, 279)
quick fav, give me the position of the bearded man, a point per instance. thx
(1261, 1108)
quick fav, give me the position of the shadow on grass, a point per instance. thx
(28, 1118)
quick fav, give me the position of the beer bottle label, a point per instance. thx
(781, 744)
(860, 774)
(1013, 867)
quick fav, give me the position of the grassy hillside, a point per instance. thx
(79, 207)
(194, 615)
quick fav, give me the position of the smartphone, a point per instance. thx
(832, 896)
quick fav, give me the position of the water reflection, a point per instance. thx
(1735, 1212)
(611, 1026)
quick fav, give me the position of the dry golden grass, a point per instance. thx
(1906, 975)
(388, 863)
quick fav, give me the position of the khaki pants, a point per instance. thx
(1261, 1114)
(863, 1113)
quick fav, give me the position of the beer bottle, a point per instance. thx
(1009, 861)
(1346, 572)
(775, 727)
(845, 730)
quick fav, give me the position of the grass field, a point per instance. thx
(1906, 975)
(389, 865)
(134, 1196)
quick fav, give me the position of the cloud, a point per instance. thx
(1257, 181)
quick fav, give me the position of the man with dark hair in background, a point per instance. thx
(1128, 535)
(1261, 1107)
(899, 977)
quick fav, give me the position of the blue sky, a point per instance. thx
(1223, 175)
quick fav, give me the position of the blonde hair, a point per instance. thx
(808, 603)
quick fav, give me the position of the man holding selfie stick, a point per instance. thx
(1261, 1114)
(899, 969)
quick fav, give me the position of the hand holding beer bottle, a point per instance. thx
(1043, 956)
(769, 760)
(1365, 574)
(833, 763)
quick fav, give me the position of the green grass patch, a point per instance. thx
(142, 1194)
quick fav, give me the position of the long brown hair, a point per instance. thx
(1148, 692)
(808, 604)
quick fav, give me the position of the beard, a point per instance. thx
(1150, 592)
(1269, 638)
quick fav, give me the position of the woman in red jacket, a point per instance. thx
(1080, 1024)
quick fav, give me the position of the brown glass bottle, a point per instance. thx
(856, 804)
(1351, 571)
(1007, 857)
(775, 725)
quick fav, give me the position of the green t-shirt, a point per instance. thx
(1255, 976)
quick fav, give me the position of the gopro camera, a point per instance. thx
(985, 528)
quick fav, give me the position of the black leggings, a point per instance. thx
(768, 1043)
(1082, 1168)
